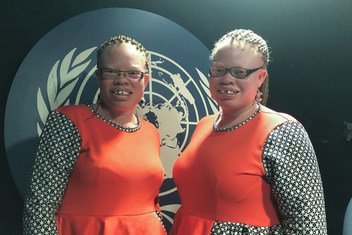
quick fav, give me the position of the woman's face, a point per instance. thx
(122, 93)
(234, 94)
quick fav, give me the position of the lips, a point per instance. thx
(121, 92)
(228, 92)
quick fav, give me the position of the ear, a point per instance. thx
(262, 76)
(146, 78)
(97, 75)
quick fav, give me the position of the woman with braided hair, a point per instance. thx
(248, 169)
(97, 170)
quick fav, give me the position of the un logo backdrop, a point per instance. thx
(59, 70)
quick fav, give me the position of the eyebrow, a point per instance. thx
(216, 63)
(134, 68)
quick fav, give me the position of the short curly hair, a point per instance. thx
(120, 39)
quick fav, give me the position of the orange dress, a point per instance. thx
(226, 187)
(112, 186)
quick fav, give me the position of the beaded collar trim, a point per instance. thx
(114, 124)
(234, 127)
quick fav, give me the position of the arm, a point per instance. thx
(292, 170)
(58, 149)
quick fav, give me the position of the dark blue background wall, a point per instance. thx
(310, 73)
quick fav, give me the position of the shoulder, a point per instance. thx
(75, 112)
(205, 125)
(284, 125)
(279, 115)
(292, 130)
(270, 116)
(68, 109)
(210, 119)
(147, 125)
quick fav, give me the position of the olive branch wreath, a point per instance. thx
(205, 85)
(62, 79)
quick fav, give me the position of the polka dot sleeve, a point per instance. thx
(57, 152)
(291, 168)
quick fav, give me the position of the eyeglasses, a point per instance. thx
(112, 74)
(237, 72)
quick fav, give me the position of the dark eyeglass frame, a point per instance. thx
(120, 72)
(232, 71)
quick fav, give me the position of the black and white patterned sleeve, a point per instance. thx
(58, 149)
(292, 170)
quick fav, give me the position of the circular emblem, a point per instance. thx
(59, 70)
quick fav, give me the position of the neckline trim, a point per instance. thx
(234, 127)
(114, 124)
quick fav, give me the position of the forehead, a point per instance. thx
(237, 55)
(123, 52)
(121, 49)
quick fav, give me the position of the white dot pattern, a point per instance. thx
(225, 228)
(292, 170)
(59, 146)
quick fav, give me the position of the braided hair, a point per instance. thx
(120, 39)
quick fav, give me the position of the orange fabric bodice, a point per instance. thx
(116, 177)
(220, 175)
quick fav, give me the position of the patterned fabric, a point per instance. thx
(57, 153)
(224, 228)
(292, 170)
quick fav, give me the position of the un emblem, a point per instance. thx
(59, 72)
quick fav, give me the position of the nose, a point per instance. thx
(121, 78)
(227, 79)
